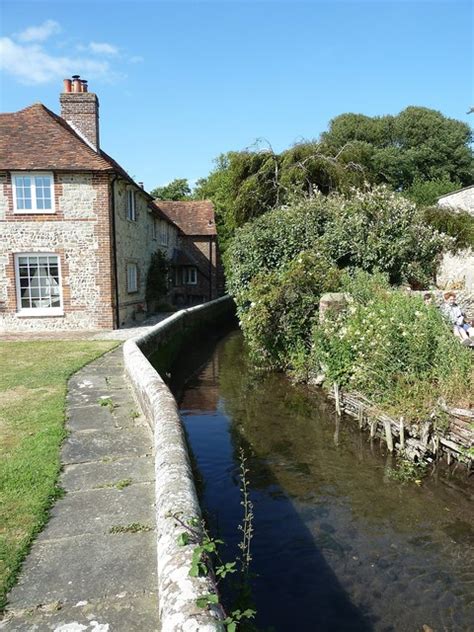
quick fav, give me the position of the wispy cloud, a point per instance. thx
(32, 65)
(39, 33)
(100, 48)
(31, 60)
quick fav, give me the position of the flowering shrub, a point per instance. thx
(395, 350)
(368, 229)
(380, 229)
(272, 241)
(278, 318)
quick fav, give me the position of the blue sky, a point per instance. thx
(181, 82)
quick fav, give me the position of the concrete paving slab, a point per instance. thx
(88, 475)
(98, 510)
(91, 417)
(86, 446)
(122, 613)
(84, 568)
(102, 418)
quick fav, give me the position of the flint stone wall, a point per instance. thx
(79, 273)
(175, 489)
(136, 244)
(78, 232)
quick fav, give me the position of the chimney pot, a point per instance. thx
(67, 85)
(80, 109)
(140, 184)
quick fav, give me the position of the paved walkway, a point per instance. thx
(93, 568)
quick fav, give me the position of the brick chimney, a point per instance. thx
(80, 109)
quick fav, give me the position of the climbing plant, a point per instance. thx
(157, 278)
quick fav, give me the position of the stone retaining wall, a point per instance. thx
(175, 489)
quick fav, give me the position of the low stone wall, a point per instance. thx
(175, 489)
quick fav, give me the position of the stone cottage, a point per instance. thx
(457, 271)
(76, 232)
(197, 273)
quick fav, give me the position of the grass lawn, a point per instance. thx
(33, 379)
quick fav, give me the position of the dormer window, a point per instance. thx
(33, 192)
(131, 208)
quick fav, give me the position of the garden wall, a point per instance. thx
(175, 489)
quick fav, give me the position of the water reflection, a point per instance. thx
(338, 545)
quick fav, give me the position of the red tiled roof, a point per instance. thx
(36, 138)
(194, 217)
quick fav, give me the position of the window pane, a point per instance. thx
(23, 192)
(43, 192)
(39, 282)
(132, 277)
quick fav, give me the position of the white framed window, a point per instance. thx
(190, 276)
(33, 192)
(38, 284)
(154, 228)
(164, 233)
(132, 277)
(131, 206)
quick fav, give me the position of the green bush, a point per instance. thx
(396, 351)
(272, 241)
(459, 225)
(370, 229)
(281, 309)
(427, 192)
(379, 229)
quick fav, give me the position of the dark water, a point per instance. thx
(338, 545)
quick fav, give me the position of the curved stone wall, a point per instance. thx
(175, 489)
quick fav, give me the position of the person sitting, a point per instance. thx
(455, 316)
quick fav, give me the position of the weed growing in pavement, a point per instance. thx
(106, 401)
(134, 527)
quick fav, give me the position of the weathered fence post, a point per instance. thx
(402, 434)
(388, 434)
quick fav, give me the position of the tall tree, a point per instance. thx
(407, 151)
(419, 144)
(178, 189)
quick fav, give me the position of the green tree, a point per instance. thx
(178, 189)
(418, 144)
(244, 185)
(427, 192)
(419, 152)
